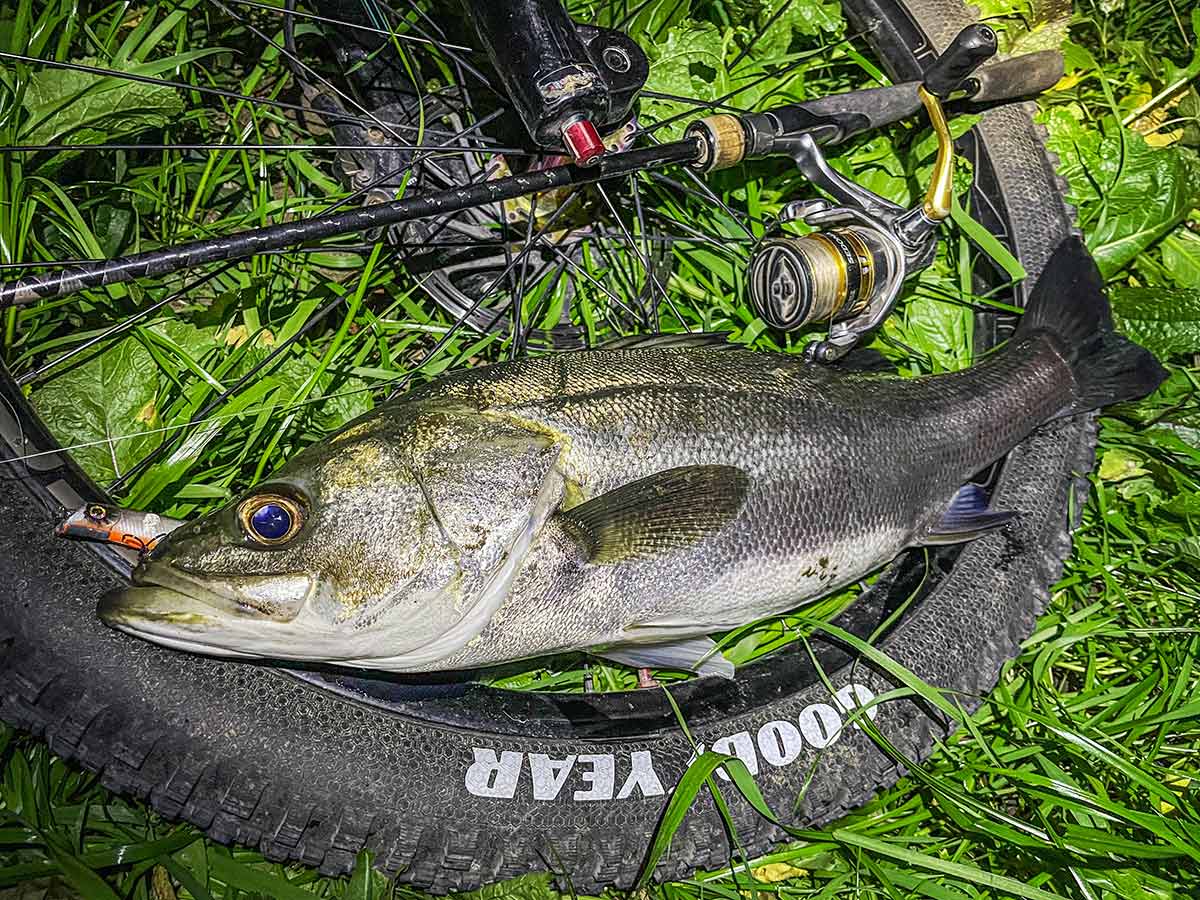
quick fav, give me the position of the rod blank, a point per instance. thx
(275, 237)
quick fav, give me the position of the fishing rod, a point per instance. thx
(380, 215)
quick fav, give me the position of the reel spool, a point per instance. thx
(825, 276)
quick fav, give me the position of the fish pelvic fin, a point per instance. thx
(1068, 301)
(697, 654)
(667, 511)
(967, 517)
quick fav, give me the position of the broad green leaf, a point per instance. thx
(941, 330)
(104, 408)
(1047, 35)
(1129, 193)
(994, 9)
(671, 72)
(771, 25)
(1165, 321)
(65, 106)
(343, 398)
(1184, 505)
(696, 59)
(1118, 465)
(1181, 256)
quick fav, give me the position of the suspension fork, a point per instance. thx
(568, 82)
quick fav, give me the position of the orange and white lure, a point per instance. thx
(128, 527)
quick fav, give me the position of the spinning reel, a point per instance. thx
(850, 269)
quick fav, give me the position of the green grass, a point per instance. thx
(1075, 779)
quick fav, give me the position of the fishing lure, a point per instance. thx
(131, 528)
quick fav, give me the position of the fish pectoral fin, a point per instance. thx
(667, 511)
(687, 340)
(966, 518)
(697, 654)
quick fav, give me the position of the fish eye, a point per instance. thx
(270, 519)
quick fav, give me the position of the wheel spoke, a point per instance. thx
(696, 102)
(144, 464)
(646, 267)
(203, 89)
(616, 265)
(636, 190)
(342, 23)
(296, 61)
(631, 237)
(750, 42)
(460, 322)
(441, 45)
(550, 281)
(789, 70)
(518, 300)
(705, 194)
(592, 280)
(399, 173)
(667, 18)
(632, 14)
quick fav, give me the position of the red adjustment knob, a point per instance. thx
(583, 142)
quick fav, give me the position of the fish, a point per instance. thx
(626, 502)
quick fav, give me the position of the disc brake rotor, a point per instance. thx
(471, 263)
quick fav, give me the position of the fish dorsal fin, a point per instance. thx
(684, 340)
(697, 654)
(666, 511)
(967, 517)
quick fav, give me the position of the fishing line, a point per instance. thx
(249, 410)
(298, 66)
(201, 89)
(55, 510)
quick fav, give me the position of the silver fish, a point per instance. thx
(625, 502)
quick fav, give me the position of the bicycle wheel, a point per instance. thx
(454, 784)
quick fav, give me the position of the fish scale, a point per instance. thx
(845, 469)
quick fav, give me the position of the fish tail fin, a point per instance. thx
(1069, 302)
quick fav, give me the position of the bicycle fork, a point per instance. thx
(569, 82)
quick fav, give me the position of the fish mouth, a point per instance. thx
(164, 616)
(178, 609)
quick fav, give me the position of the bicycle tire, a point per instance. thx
(258, 757)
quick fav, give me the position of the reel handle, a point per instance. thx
(971, 48)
